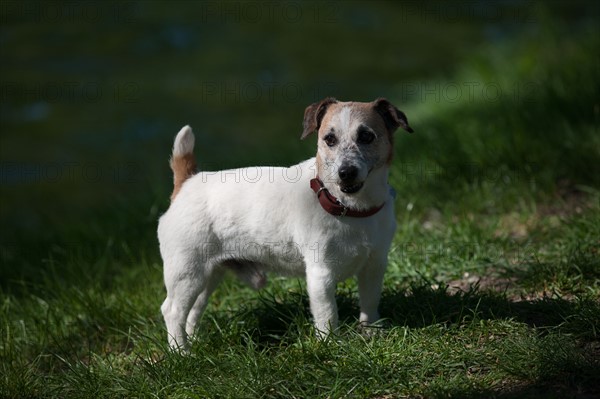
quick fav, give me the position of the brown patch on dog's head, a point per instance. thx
(313, 115)
(393, 119)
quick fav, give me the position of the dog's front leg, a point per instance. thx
(370, 284)
(321, 287)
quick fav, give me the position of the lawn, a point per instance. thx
(492, 288)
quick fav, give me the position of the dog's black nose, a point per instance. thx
(348, 173)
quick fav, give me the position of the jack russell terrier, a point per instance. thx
(327, 218)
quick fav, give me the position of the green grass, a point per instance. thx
(492, 290)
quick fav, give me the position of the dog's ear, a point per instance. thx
(313, 115)
(392, 116)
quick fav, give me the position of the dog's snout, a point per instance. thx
(348, 173)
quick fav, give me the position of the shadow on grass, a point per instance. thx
(545, 390)
(274, 322)
(422, 306)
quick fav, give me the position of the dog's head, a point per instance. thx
(355, 139)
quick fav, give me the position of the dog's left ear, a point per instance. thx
(313, 115)
(392, 116)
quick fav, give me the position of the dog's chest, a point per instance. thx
(349, 247)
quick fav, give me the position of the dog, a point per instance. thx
(328, 218)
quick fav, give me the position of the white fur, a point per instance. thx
(270, 220)
(184, 142)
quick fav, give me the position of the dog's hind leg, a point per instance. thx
(212, 282)
(184, 282)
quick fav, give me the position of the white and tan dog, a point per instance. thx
(328, 218)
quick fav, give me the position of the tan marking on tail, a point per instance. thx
(183, 163)
(183, 168)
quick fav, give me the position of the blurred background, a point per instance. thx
(503, 97)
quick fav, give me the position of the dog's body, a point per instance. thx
(254, 220)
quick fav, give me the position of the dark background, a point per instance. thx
(92, 94)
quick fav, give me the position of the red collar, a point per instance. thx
(333, 206)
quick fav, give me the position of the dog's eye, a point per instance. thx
(330, 140)
(365, 136)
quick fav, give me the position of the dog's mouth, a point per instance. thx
(351, 189)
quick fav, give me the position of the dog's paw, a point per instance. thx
(375, 329)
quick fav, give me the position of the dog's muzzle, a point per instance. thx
(348, 175)
(351, 189)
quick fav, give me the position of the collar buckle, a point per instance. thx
(344, 210)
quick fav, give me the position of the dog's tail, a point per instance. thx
(183, 163)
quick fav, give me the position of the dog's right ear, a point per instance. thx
(313, 115)
(392, 116)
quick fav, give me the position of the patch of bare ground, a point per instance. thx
(494, 282)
